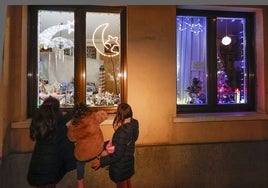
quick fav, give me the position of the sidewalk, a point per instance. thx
(14, 172)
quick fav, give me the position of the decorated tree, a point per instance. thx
(194, 92)
(225, 93)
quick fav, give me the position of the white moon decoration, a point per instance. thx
(111, 44)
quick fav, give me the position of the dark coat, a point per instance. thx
(52, 159)
(122, 161)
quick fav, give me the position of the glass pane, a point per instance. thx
(56, 57)
(103, 59)
(231, 61)
(191, 60)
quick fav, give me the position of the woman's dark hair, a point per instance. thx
(44, 121)
(79, 111)
(123, 112)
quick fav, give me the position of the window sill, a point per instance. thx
(26, 123)
(213, 117)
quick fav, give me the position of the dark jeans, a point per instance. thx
(80, 167)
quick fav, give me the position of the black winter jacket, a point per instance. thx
(52, 159)
(121, 162)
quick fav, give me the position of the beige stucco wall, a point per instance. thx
(151, 86)
(151, 58)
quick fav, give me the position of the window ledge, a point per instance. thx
(26, 123)
(212, 117)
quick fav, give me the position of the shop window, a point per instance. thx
(76, 54)
(215, 61)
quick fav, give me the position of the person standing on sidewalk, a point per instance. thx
(84, 130)
(53, 153)
(121, 161)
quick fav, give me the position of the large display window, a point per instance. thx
(214, 61)
(76, 55)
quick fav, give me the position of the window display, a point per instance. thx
(60, 68)
(214, 61)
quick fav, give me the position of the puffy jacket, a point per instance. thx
(52, 159)
(88, 136)
(122, 161)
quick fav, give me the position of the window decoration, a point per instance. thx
(191, 58)
(213, 75)
(226, 40)
(46, 39)
(105, 39)
(65, 69)
(226, 95)
(111, 45)
(194, 92)
(188, 24)
(55, 66)
(231, 84)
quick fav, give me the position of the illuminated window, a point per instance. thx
(215, 64)
(76, 55)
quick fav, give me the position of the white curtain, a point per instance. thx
(191, 54)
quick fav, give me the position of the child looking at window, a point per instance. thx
(84, 130)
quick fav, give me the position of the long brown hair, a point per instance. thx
(44, 121)
(123, 112)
